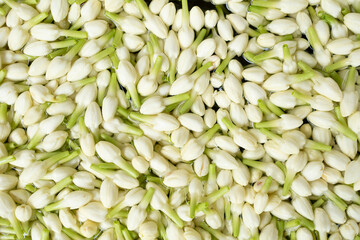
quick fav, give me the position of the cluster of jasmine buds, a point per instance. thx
(184, 120)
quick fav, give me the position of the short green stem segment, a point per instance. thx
(336, 200)
(289, 178)
(7, 159)
(214, 196)
(317, 146)
(318, 203)
(205, 137)
(267, 185)
(60, 185)
(225, 62)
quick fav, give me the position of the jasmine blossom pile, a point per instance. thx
(126, 119)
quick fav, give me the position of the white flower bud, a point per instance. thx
(336, 215)
(144, 147)
(282, 26)
(201, 165)
(197, 18)
(88, 229)
(177, 178)
(148, 230)
(53, 141)
(192, 121)
(284, 211)
(206, 48)
(253, 113)
(351, 21)
(313, 170)
(52, 221)
(303, 206)
(18, 136)
(253, 92)
(94, 211)
(167, 13)
(23, 212)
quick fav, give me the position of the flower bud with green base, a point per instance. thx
(20, 34)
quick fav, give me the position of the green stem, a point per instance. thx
(250, 57)
(254, 164)
(117, 228)
(205, 137)
(269, 134)
(280, 225)
(7, 159)
(175, 99)
(266, 4)
(296, 78)
(267, 184)
(220, 12)
(34, 21)
(345, 130)
(225, 62)
(261, 29)
(100, 55)
(83, 82)
(265, 55)
(286, 52)
(193, 202)
(187, 105)
(185, 13)
(336, 200)
(126, 233)
(235, 221)
(144, 8)
(30, 188)
(63, 44)
(199, 38)
(214, 196)
(335, 66)
(117, 40)
(83, 128)
(72, 234)
(45, 234)
(267, 124)
(127, 167)
(216, 233)
(315, 41)
(114, 59)
(16, 226)
(301, 96)
(74, 116)
(318, 203)
(229, 124)
(106, 137)
(289, 178)
(275, 109)
(56, 53)
(292, 223)
(172, 71)
(350, 80)
(306, 222)
(74, 50)
(60, 185)
(317, 146)
(281, 166)
(147, 198)
(3, 73)
(195, 75)
(108, 166)
(263, 107)
(4, 222)
(69, 157)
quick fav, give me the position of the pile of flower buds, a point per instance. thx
(126, 119)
